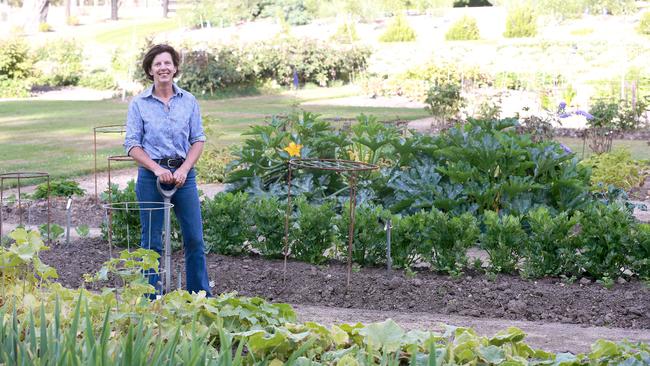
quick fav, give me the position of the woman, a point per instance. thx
(165, 137)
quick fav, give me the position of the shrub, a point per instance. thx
(607, 238)
(99, 80)
(409, 239)
(641, 252)
(451, 237)
(521, 22)
(60, 63)
(44, 27)
(644, 24)
(206, 71)
(369, 244)
(502, 240)
(346, 33)
(398, 31)
(551, 248)
(465, 29)
(15, 60)
(14, 88)
(62, 188)
(616, 168)
(617, 115)
(268, 215)
(226, 223)
(72, 20)
(444, 100)
(211, 168)
(312, 232)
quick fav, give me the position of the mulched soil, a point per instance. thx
(508, 297)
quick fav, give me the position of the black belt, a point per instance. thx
(170, 162)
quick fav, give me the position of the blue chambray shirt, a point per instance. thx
(160, 131)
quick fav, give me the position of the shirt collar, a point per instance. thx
(177, 91)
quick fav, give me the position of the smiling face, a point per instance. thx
(163, 68)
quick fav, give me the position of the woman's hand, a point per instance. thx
(165, 175)
(180, 175)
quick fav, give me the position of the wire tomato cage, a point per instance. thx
(120, 129)
(352, 168)
(19, 200)
(130, 234)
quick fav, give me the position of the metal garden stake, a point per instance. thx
(167, 197)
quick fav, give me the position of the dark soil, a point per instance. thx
(625, 305)
(84, 211)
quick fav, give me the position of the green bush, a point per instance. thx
(409, 239)
(268, 217)
(398, 31)
(312, 232)
(552, 246)
(226, 223)
(15, 60)
(369, 244)
(615, 168)
(346, 33)
(607, 240)
(502, 240)
(60, 63)
(207, 71)
(14, 88)
(521, 22)
(451, 237)
(44, 27)
(62, 188)
(99, 80)
(444, 100)
(465, 29)
(641, 252)
(644, 24)
(211, 167)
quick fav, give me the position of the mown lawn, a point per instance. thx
(57, 136)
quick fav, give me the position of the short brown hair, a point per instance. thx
(155, 51)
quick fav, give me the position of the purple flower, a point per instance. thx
(587, 115)
(565, 115)
(562, 105)
(565, 148)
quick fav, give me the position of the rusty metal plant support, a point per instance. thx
(103, 129)
(340, 166)
(18, 176)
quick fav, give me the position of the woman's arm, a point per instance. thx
(180, 175)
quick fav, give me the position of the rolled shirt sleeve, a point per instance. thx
(196, 128)
(134, 128)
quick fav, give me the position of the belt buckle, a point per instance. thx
(174, 163)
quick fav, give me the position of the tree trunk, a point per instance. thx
(43, 8)
(114, 6)
(34, 13)
(67, 10)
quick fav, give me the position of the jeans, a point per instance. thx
(187, 208)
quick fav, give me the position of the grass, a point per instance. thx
(56, 136)
(131, 31)
(639, 149)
